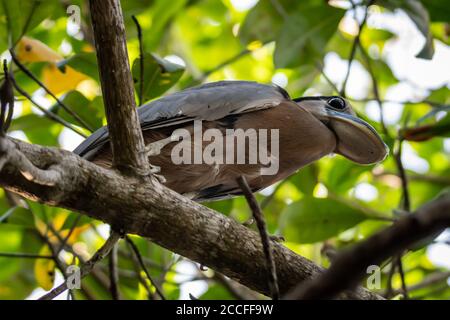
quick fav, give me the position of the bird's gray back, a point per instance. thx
(208, 102)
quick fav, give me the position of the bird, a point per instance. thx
(303, 130)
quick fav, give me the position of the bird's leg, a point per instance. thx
(154, 149)
(160, 177)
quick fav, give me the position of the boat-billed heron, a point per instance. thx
(305, 130)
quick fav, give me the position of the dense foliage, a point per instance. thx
(324, 207)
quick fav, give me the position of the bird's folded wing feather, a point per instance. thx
(207, 102)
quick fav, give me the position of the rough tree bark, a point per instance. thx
(127, 143)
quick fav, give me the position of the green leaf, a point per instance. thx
(440, 31)
(371, 36)
(44, 270)
(223, 206)
(263, 22)
(163, 12)
(22, 16)
(38, 129)
(312, 220)
(159, 75)
(306, 179)
(433, 112)
(216, 292)
(84, 62)
(91, 112)
(10, 242)
(343, 175)
(305, 35)
(73, 216)
(419, 15)
(441, 95)
(18, 216)
(439, 10)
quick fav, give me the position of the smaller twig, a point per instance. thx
(236, 290)
(432, 279)
(141, 60)
(7, 99)
(404, 102)
(327, 79)
(144, 268)
(114, 273)
(445, 181)
(24, 255)
(280, 9)
(441, 288)
(265, 239)
(39, 82)
(376, 91)
(88, 266)
(47, 113)
(138, 273)
(405, 206)
(72, 229)
(402, 276)
(354, 47)
(97, 274)
(60, 264)
(266, 201)
(26, 25)
(406, 203)
(7, 214)
(389, 290)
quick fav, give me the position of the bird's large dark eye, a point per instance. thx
(337, 103)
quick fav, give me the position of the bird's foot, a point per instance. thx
(154, 148)
(156, 169)
(249, 222)
(160, 178)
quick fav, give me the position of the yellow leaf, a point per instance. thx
(254, 45)
(32, 50)
(58, 82)
(44, 270)
(59, 219)
(75, 233)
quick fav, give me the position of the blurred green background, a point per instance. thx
(398, 81)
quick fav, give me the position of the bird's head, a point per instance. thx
(356, 139)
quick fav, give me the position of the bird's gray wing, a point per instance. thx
(208, 102)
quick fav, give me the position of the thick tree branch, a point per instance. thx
(127, 143)
(162, 215)
(138, 256)
(349, 267)
(10, 154)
